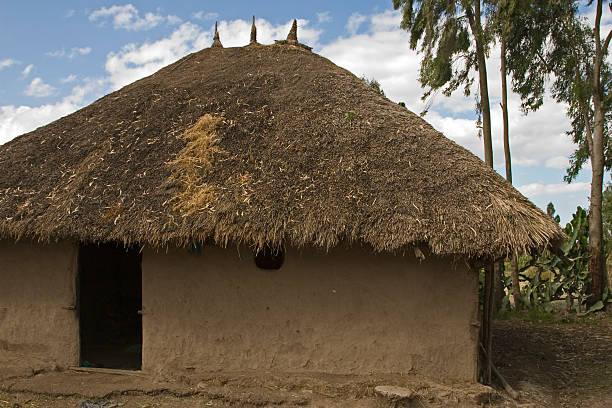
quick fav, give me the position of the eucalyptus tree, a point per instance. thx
(454, 41)
(551, 42)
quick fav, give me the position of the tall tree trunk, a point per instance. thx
(596, 262)
(516, 287)
(484, 106)
(487, 318)
(484, 87)
(504, 106)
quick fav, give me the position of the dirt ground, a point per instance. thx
(561, 362)
(564, 362)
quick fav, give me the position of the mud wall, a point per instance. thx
(36, 293)
(346, 311)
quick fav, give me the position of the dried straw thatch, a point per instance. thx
(269, 144)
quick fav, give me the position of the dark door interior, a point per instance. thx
(110, 298)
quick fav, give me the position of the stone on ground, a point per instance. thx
(393, 396)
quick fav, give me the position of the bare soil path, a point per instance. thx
(563, 362)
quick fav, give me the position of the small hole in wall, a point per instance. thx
(269, 258)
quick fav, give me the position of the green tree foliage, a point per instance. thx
(454, 42)
(374, 84)
(549, 41)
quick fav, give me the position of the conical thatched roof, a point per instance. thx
(268, 144)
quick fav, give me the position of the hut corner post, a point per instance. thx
(486, 337)
(486, 368)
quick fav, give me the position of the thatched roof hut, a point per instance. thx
(300, 151)
(261, 146)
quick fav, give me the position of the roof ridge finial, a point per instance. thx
(253, 32)
(216, 41)
(292, 36)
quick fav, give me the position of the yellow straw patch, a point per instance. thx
(192, 164)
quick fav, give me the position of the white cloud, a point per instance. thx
(535, 138)
(174, 20)
(127, 17)
(79, 51)
(557, 162)
(461, 131)
(385, 55)
(324, 17)
(74, 52)
(26, 71)
(5, 63)
(69, 13)
(39, 89)
(69, 78)
(541, 189)
(58, 53)
(354, 21)
(16, 120)
(88, 87)
(388, 19)
(200, 15)
(133, 62)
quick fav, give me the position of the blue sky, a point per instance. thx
(57, 57)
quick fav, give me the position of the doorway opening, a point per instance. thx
(110, 300)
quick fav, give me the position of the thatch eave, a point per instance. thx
(303, 153)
